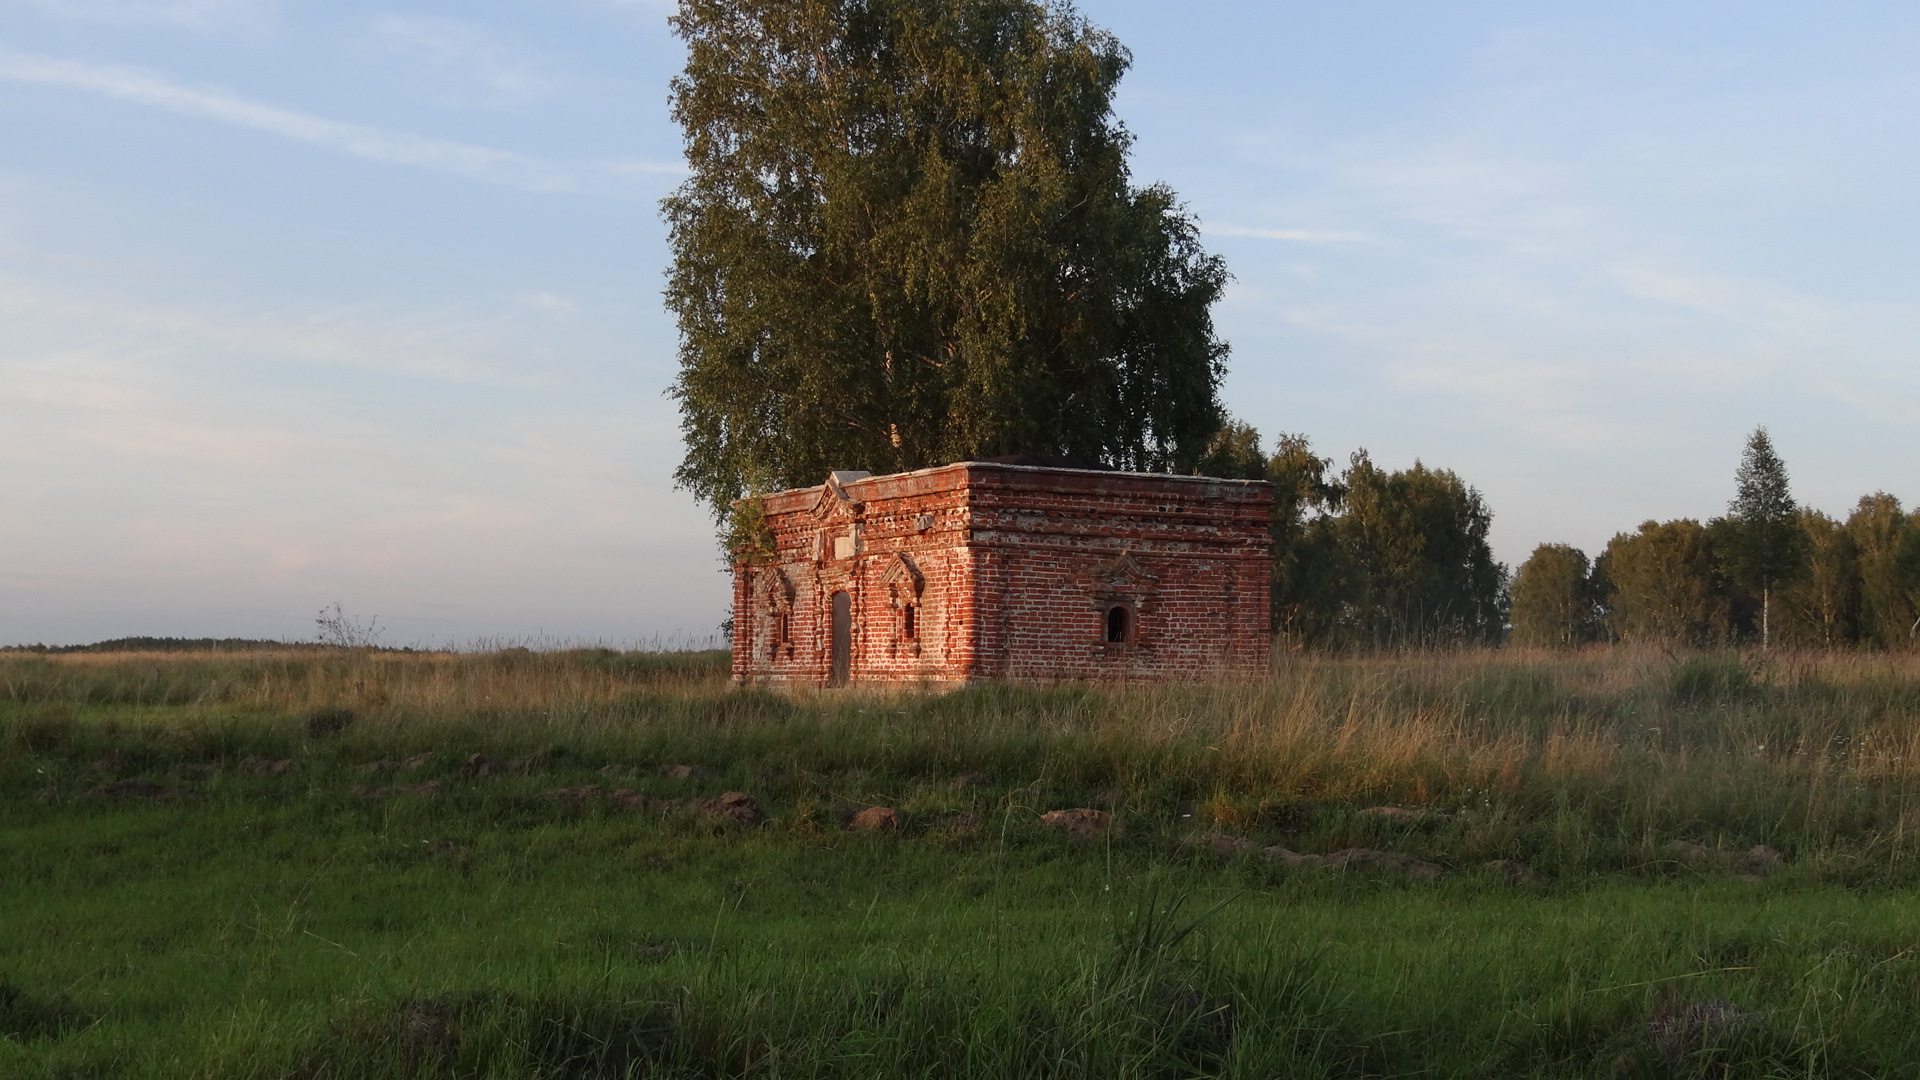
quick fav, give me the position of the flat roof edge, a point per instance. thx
(1004, 467)
(1090, 472)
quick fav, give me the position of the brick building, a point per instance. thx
(981, 570)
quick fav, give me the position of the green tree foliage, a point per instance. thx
(1764, 543)
(1790, 573)
(1662, 584)
(1744, 613)
(1370, 558)
(1309, 570)
(1233, 454)
(748, 539)
(909, 236)
(1888, 543)
(1852, 582)
(1412, 564)
(1822, 604)
(1555, 600)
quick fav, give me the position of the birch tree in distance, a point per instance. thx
(909, 236)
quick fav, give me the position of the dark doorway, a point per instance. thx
(1117, 624)
(842, 654)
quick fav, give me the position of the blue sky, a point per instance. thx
(306, 302)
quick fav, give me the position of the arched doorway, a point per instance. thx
(842, 650)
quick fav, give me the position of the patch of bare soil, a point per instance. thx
(875, 819)
(1081, 823)
(1755, 862)
(1407, 815)
(737, 807)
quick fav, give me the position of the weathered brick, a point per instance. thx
(987, 571)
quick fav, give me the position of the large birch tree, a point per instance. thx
(909, 236)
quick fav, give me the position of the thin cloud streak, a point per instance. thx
(449, 349)
(453, 45)
(1297, 236)
(203, 15)
(622, 178)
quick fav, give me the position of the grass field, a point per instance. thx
(340, 864)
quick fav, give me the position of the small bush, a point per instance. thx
(1711, 680)
(323, 723)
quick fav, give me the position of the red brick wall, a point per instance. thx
(1016, 570)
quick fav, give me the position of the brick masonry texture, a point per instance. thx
(979, 571)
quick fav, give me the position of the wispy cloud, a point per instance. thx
(620, 178)
(190, 14)
(421, 346)
(549, 302)
(1756, 306)
(451, 45)
(1888, 404)
(1296, 236)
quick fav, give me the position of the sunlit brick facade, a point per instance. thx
(983, 571)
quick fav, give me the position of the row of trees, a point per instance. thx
(1370, 558)
(1767, 571)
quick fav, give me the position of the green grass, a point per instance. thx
(171, 906)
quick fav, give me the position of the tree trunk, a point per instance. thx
(1766, 604)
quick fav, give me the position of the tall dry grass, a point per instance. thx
(375, 680)
(1597, 758)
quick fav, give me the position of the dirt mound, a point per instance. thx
(737, 807)
(1081, 822)
(875, 819)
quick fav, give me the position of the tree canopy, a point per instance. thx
(1663, 584)
(1420, 569)
(1823, 604)
(1555, 601)
(1888, 546)
(1763, 542)
(909, 236)
(1370, 558)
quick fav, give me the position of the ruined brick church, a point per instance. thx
(990, 570)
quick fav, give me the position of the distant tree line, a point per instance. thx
(1766, 572)
(1369, 558)
(162, 644)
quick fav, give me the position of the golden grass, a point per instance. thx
(1819, 744)
(296, 680)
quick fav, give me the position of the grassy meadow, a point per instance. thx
(1610, 863)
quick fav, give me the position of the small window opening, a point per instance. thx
(1117, 624)
(908, 617)
(781, 635)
